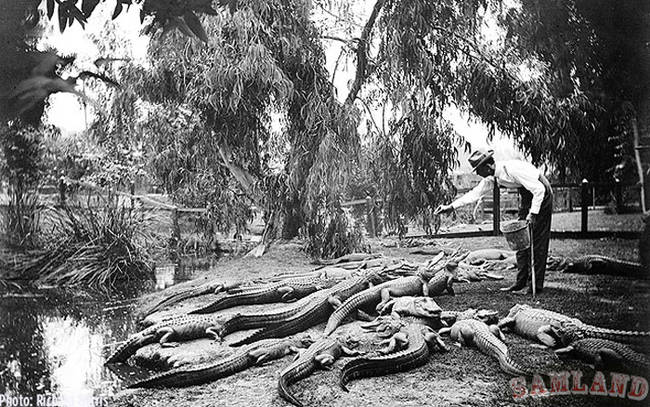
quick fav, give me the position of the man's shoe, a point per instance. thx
(513, 287)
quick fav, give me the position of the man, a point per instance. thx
(536, 207)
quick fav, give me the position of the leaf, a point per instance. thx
(194, 24)
(118, 10)
(76, 14)
(63, 16)
(142, 15)
(88, 6)
(50, 9)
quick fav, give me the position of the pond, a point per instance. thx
(53, 344)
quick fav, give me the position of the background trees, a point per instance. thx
(236, 107)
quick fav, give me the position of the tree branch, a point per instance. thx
(362, 54)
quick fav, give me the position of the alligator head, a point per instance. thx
(567, 331)
(485, 315)
(385, 326)
(423, 307)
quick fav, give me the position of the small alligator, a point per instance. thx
(478, 257)
(184, 327)
(309, 311)
(533, 323)
(285, 291)
(573, 329)
(469, 273)
(407, 349)
(607, 355)
(253, 355)
(488, 339)
(323, 353)
(596, 264)
(423, 307)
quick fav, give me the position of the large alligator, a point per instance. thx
(533, 323)
(282, 291)
(407, 349)
(184, 328)
(253, 355)
(596, 264)
(488, 339)
(573, 330)
(607, 355)
(424, 307)
(348, 258)
(322, 353)
(308, 312)
(546, 326)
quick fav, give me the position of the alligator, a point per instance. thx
(607, 355)
(306, 313)
(533, 323)
(424, 307)
(490, 317)
(478, 257)
(549, 327)
(183, 327)
(322, 353)
(285, 291)
(411, 285)
(573, 329)
(469, 273)
(207, 288)
(596, 264)
(408, 348)
(253, 355)
(348, 258)
(488, 339)
(442, 280)
(421, 284)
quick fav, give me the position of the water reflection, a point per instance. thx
(52, 344)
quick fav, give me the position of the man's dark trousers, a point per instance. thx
(541, 235)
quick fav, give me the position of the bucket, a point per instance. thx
(516, 233)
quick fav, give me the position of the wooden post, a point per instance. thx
(176, 233)
(618, 196)
(370, 213)
(62, 190)
(496, 210)
(584, 205)
(570, 199)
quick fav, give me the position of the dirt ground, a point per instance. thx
(461, 377)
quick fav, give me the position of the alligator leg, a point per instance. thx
(497, 332)
(167, 334)
(213, 332)
(544, 336)
(397, 342)
(507, 323)
(324, 360)
(431, 337)
(287, 293)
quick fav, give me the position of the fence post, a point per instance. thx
(584, 205)
(176, 232)
(618, 196)
(570, 199)
(496, 210)
(62, 190)
(370, 213)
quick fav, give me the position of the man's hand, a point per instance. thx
(443, 209)
(531, 218)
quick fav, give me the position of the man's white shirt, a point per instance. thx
(510, 174)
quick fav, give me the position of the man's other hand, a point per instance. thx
(531, 219)
(443, 209)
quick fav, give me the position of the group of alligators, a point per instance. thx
(410, 323)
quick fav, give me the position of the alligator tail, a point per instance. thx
(128, 348)
(225, 302)
(283, 388)
(165, 379)
(634, 338)
(511, 367)
(178, 297)
(340, 313)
